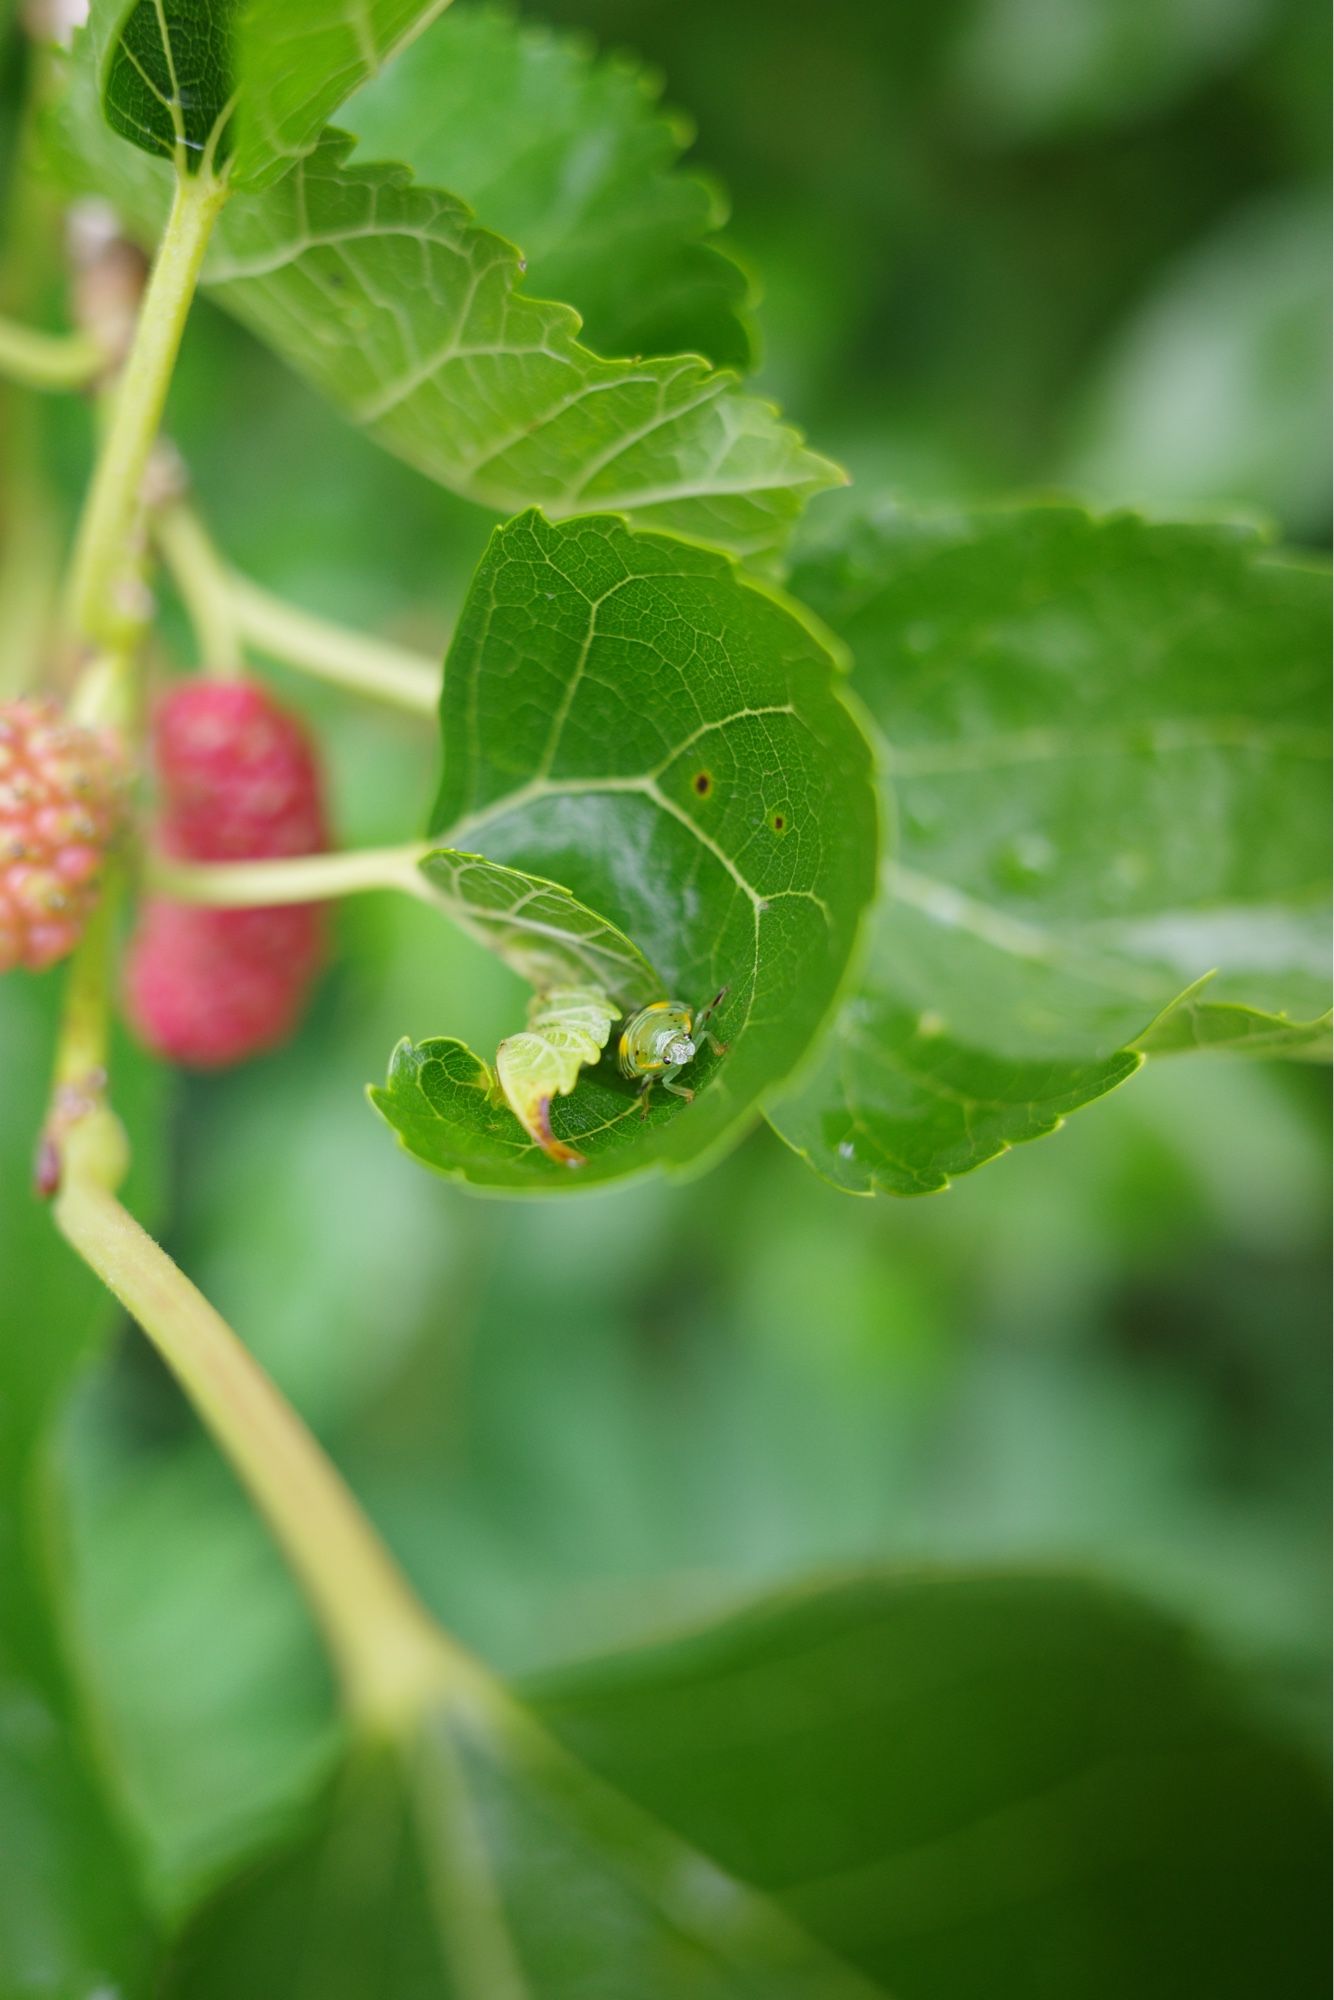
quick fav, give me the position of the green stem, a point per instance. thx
(368, 666)
(392, 1659)
(226, 607)
(111, 508)
(48, 360)
(204, 585)
(302, 878)
(81, 1049)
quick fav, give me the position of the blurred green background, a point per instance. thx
(1010, 244)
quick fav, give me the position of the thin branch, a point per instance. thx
(203, 583)
(369, 666)
(40, 360)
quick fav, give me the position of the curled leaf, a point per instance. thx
(567, 1029)
(538, 928)
(629, 714)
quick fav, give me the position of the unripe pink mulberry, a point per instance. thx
(238, 780)
(62, 803)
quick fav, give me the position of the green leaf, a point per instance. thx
(538, 928)
(1196, 1021)
(247, 83)
(165, 75)
(631, 714)
(1215, 389)
(989, 1783)
(390, 300)
(210, 1749)
(1108, 753)
(925, 1787)
(297, 60)
(70, 1922)
(568, 154)
(57, 1312)
(504, 1870)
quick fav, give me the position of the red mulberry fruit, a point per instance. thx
(238, 780)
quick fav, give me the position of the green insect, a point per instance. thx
(662, 1038)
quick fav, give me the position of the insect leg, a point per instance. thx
(713, 1006)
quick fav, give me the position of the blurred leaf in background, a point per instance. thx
(1216, 391)
(988, 234)
(963, 218)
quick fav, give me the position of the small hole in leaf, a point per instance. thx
(703, 783)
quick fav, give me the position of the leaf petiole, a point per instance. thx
(302, 878)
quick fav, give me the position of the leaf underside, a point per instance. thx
(1108, 754)
(298, 60)
(538, 928)
(248, 82)
(631, 715)
(393, 302)
(389, 298)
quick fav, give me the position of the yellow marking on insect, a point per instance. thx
(655, 1039)
(664, 1037)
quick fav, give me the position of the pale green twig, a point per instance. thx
(352, 660)
(40, 360)
(112, 505)
(300, 878)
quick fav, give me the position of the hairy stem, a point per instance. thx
(352, 660)
(302, 878)
(48, 360)
(111, 508)
(391, 1657)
